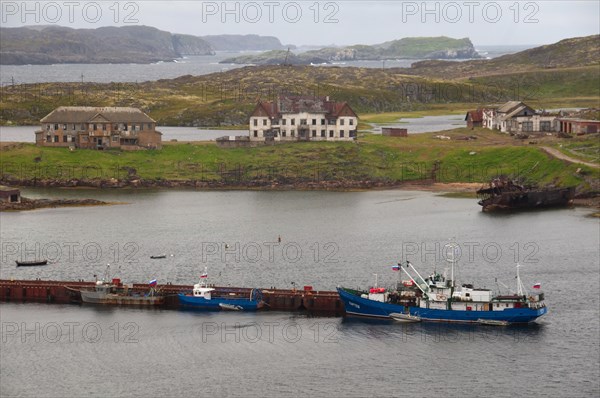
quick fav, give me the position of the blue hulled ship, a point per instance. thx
(436, 298)
(204, 297)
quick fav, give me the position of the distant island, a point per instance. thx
(44, 45)
(406, 48)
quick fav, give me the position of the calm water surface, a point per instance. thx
(328, 239)
(26, 133)
(193, 65)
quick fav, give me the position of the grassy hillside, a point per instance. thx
(226, 99)
(568, 53)
(372, 158)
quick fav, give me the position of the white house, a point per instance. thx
(298, 118)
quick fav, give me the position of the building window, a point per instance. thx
(115, 138)
(264, 122)
(64, 126)
(322, 133)
(341, 122)
(314, 133)
(527, 126)
(331, 133)
(84, 138)
(341, 133)
(64, 138)
(56, 127)
(283, 121)
(103, 126)
(74, 128)
(303, 121)
(94, 127)
(351, 121)
(293, 121)
(255, 122)
(322, 122)
(352, 134)
(55, 138)
(283, 133)
(314, 122)
(256, 133)
(546, 126)
(115, 127)
(332, 121)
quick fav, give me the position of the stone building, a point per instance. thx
(98, 128)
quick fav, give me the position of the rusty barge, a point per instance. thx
(68, 292)
(505, 194)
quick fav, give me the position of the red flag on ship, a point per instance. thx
(537, 286)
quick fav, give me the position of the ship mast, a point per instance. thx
(520, 287)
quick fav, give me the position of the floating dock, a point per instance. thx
(66, 292)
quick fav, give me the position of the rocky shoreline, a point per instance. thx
(33, 204)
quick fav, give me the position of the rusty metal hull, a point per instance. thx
(64, 292)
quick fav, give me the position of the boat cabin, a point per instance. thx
(378, 294)
(468, 293)
(200, 290)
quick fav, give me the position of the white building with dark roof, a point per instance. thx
(98, 128)
(303, 118)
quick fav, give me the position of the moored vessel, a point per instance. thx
(204, 297)
(113, 293)
(437, 299)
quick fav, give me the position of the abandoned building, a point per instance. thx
(515, 117)
(303, 118)
(98, 128)
(10, 195)
(578, 126)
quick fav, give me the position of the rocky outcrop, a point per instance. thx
(32, 204)
(126, 44)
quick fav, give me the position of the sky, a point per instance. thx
(311, 22)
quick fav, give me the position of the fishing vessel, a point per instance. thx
(114, 293)
(204, 297)
(437, 298)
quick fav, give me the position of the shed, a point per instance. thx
(10, 195)
(394, 132)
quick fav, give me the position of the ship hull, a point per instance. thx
(217, 304)
(527, 199)
(358, 306)
(91, 297)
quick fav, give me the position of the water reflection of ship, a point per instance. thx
(505, 194)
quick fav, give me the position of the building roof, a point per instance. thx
(88, 114)
(476, 116)
(6, 191)
(510, 106)
(299, 104)
(577, 120)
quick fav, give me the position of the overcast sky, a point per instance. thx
(327, 22)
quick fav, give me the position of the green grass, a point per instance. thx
(373, 157)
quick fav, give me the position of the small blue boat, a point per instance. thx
(436, 299)
(203, 298)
